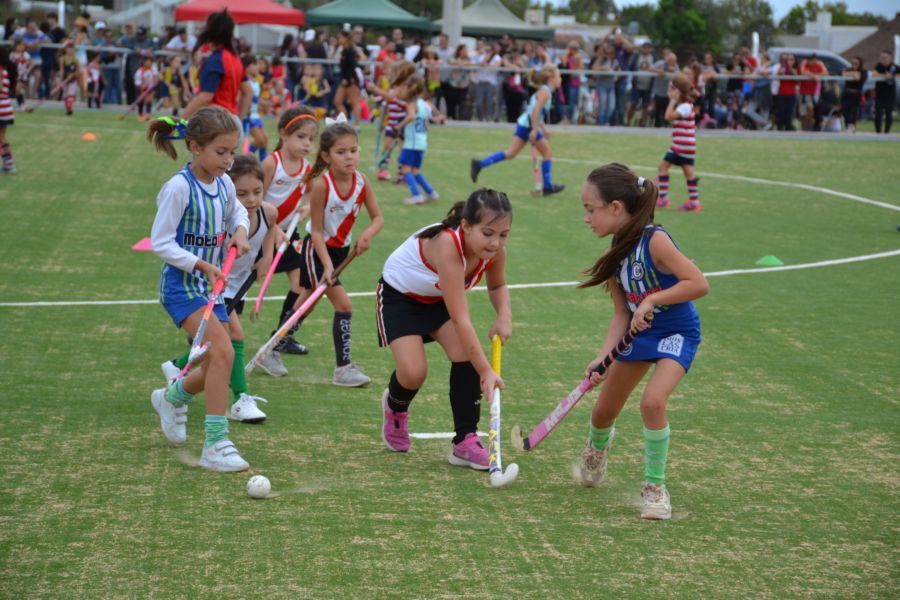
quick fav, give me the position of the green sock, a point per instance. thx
(656, 451)
(216, 427)
(182, 360)
(177, 395)
(238, 381)
(600, 436)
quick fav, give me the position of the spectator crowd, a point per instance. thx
(615, 82)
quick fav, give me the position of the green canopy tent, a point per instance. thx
(490, 18)
(372, 13)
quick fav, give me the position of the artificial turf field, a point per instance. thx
(785, 433)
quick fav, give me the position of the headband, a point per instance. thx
(298, 117)
(180, 126)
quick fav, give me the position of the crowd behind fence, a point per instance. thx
(620, 83)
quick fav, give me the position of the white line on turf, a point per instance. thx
(513, 286)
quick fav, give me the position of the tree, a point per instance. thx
(642, 14)
(795, 21)
(589, 11)
(681, 26)
(747, 16)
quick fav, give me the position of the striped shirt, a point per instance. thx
(684, 141)
(396, 113)
(6, 109)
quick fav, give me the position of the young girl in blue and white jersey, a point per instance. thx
(197, 211)
(415, 141)
(253, 125)
(531, 128)
(648, 278)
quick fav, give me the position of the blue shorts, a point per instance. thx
(650, 348)
(677, 159)
(411, 158)
(523, 132)
(255, 123)
(179, 311)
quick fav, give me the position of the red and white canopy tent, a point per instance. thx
(242, 11)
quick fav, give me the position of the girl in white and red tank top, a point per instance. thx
(285, 172)
(337, 194)
(421, 297)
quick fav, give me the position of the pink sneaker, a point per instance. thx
(393, 429)
(662, 203)
(383, 175)
(470, 453)
(690, 206)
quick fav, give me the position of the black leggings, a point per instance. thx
(785, 106)
(884, 109)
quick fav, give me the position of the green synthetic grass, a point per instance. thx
(785, 432)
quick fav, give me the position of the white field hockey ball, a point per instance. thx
(258, 486)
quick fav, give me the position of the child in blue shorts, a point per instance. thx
(415, 141)
(652, 285)
(197, 210)
(531, 128)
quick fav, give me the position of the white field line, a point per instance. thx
(513, 286)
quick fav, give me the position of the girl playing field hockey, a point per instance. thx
(197, 210)
(648, 278)
(8, 77)
(531, 128)
(415, 141)
(253, 124)
(421, 297)
(680, 113)
(285, 170)
(247, 175)
(71, 76)
(395, 105)
(337, 193)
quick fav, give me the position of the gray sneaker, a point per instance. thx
(349, 376)
(172, 419)
(270, 362)
(655, 502)
(223, 457)
(592, 469)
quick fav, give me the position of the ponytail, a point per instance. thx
(206, 124)
(638, 195)
(481, 203)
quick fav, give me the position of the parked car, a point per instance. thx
(835, 63)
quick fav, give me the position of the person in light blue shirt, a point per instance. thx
(415, 140)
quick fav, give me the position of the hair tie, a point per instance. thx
(180, 127)
(640, 182)
(341, 118)
(298, 117)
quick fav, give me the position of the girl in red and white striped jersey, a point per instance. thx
(680, 113)
(337, 193)
(285, 172)
(8, 78)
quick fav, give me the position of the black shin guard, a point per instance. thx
(340, 331)
(287, 309)
(465, 399)
(398, 396)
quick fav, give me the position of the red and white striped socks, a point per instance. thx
(693, 190)
(663, 183)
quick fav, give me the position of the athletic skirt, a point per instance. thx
(291, 258)
(650, 347)
(311, 267)
(397, 315)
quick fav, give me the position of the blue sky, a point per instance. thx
(886, 8)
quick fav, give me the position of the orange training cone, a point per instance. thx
(89, 137)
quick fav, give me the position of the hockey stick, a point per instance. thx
(538, 185)
(137, 102)
(229, 306)
(198, 348)
(304, 308)
(292, 225)
(539, 433)
(497, 477)
(59, 87)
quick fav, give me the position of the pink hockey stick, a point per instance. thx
(292, 225)
(539, 433)
(304, 308)
(198, 348)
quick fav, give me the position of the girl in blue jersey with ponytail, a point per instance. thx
(197, 210)
(652, 285)
(531, 128)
